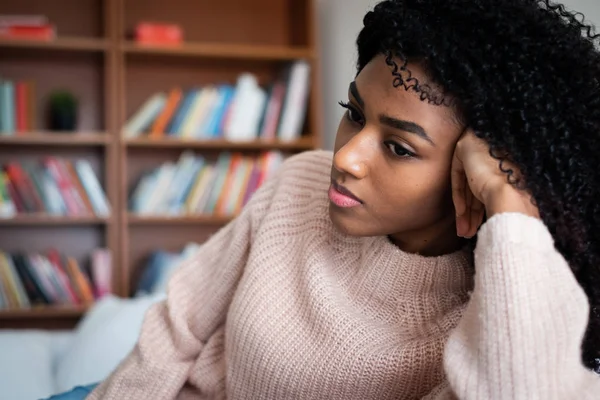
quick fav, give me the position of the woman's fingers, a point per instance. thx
(459, 184)
(476, 213)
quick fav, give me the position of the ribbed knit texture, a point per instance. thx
(280, 305)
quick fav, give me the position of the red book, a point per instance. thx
(21, 106)
(64, 186)
(24, 187)
(42, 32)
(152, 33)
(54, 258)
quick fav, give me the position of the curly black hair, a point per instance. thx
(524, 75)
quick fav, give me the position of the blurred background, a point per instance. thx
(131, 131)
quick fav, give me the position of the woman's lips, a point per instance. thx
(342, 197)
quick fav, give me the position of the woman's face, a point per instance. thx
(391, 168)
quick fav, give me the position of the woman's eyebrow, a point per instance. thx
(354, 91)
(406, 126)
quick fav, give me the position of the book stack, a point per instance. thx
(17, 107)
(151, 33)
(196, 186)
(54, 186)
(243, 112)
(36, 27)
(28, 280)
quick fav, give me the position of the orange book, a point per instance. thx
(236, 159)
(80, 281)
(239, 202)
(161, 122)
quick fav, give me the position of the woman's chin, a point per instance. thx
(347, 221)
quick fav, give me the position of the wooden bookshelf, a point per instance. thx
(297, 145)
(94, 57)
(55, 317)
(55, 139)
(44, 312)
(63, 43)
(213, 50)
(178, 220)
(49, 220)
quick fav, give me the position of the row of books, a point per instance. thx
(30, 279)
(17, 106)
(21, 26)
(196, 186)
(54, 186)
(242, 112)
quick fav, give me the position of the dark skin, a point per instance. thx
(424, 179)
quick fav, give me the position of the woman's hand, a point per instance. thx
(479, 186)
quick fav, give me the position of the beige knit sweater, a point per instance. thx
(279, 305)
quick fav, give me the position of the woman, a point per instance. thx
(351, 276)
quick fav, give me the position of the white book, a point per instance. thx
(92, 187)
(145, 115)
(248, 104)
(155, 203)
(294, 111)
(143, 191)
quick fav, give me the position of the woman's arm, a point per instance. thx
(198, 296)
(521, 334)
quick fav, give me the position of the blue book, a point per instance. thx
(174, 127)
(213, 127)
(156, 271)
(7, 107)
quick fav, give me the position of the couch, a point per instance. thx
(36, 364)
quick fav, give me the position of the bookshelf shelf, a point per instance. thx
(218, 50)
(43, 312)
(178, 220)
(61, 43)
(56, 139)
(304, 143)
(49, 220)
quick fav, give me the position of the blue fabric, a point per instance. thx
(78, 393)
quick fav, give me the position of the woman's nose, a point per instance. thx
(353, 157)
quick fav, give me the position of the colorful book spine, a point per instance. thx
(194, 185)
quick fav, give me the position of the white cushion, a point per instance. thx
(26, 363)
(102, 340)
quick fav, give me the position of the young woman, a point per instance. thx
(448, 248)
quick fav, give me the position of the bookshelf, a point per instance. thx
(95, 57)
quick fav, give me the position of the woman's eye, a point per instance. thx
(398, 150)
(352, 114)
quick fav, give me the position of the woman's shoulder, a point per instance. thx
(316, 162)
(299, 186)
(309, 170)
(300, 183)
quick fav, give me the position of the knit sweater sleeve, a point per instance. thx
(198, 296)
(521, 334)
